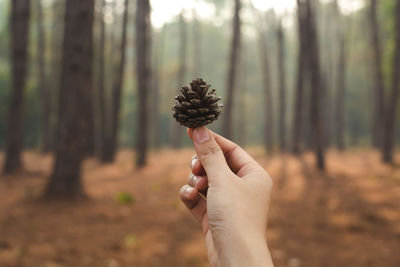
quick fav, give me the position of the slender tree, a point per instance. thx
(111, 143)
(232, 71)
(392, 101)
(282, 87)
(177, 136)
(43, 88)
(301, 77)
(100, 94)
(143, 44)
(316, 86)
(74, 100)
(19, 30)
(266, 75)
(158, 63)
(197, 45)
(241, 101)
(379, 87)
(341, 80)
(340, 95)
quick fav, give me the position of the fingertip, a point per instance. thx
(190, 132)
(188, 193)
(197, 168)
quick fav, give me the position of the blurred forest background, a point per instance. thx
(310, 87)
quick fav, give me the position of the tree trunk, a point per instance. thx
(101, 105)
(157, 80)
(197, 47)
(301, 73)
(241, 101)
(316, 87)
(233, 66)
(379, 88)
(143, 44)
(282, 88)
(264, 57)
(43, 89)
(74, 100)
(58, 10)
(111, 142)
(340, 97)
(390, 118)
(19, 30)
(178, 130)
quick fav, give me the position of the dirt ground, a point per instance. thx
(348, 216)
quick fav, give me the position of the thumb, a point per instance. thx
(210, 154)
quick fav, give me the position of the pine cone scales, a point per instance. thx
(195, 106)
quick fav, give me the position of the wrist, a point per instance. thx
(246, 251)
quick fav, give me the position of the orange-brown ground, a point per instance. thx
(349, 216)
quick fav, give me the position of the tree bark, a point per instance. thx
(58, 10)
(264, 59)
(340, 97)
(197, 46)
(390, 118)
(74, 100)
(282, 88)
(178, 131)
(316, 87)
(379, 88)
(233, 66)
(43, 88)
(111, 142)
(143, 44)
(19, 30)
(101, 109)
(157, 80)
(301, 75)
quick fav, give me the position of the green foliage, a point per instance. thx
(125, 198)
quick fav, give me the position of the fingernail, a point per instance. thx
(189, 190)
(193, 162)
(201, 135)
(195, 180)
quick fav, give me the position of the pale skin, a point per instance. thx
(233, 215)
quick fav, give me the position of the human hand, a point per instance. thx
(234, 214)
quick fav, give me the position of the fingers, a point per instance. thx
(193, 201)
(210, 155)
(198, 182)
(238, 160)
(197, 168)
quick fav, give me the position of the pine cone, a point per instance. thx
(195, 106)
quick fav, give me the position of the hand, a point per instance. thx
(237, 189)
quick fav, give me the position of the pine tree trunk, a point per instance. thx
(340, 97)
(43, 89)
(197, 46)
(178, 130)
(19, 30)
(111, 142)
(241, 101)
(282, 88)
(392, 101)
(143, 44)
(158, 63)
(100, 94)
(58, 10)
(233, 66)
(379, 83)
(301, 73)
(316, 87)
(74, 100)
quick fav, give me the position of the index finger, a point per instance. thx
(238, 160)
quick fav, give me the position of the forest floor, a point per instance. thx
(348, 216)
